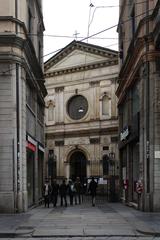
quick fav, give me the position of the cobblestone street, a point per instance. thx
(112, 221)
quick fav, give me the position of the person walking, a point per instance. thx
(92, 190)
(54, 193)
(78, 190)
(46, 193)
(63, 193)
(71, 191)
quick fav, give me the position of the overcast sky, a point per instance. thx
(64, 18)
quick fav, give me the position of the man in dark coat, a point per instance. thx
(78, 190)
(54, 193)
(63, 193)
(92, 190)
(71, 191)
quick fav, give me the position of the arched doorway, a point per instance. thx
(78, 166)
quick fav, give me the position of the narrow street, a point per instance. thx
(104, 221)
(92, 238)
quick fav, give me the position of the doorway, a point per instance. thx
(30, 177)
(78, 166)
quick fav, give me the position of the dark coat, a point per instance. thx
(55, 189)
(71, 189)
(78, 187)
(63, 189)
(92, 187)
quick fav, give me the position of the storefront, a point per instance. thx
(31, 149)
(40, 170)
(129, 116)
(129, 161)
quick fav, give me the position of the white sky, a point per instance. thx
(65, 17)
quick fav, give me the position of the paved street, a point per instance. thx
(92, 238)
(104, 221)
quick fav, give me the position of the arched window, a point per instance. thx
(105, 165)
(105, 105)
(51, 111)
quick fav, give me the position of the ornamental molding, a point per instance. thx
(82, 68)
(49, 103)
(59, 89)
(85, 47)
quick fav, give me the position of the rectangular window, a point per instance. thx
(39, 53)
(40, 112)
(30, 97)
(29, 21)
(135, 100)
(133, 22)
(125, 115)
(105, 147)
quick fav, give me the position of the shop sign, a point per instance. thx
(31, 146)
(31, 140)
(40, 148)
(124, 134)
(157, 154)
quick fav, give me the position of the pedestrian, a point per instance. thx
(46, 193)
(92, 190)
(78, 190)
(54, 193)
(63, 192)
(71, 191)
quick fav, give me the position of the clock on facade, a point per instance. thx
(77, 107)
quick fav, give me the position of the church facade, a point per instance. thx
(81, 113)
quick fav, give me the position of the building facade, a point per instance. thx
(22, 94)
(81, 112)
(138, 103)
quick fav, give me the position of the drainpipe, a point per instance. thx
(18, 132)
(17, 120)
(147, 107)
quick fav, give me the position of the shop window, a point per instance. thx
(135, 100)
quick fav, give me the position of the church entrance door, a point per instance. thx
(78, 166)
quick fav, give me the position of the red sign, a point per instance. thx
(31, 146)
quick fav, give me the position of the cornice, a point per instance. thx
(130, 68)
(133, 76)
(143, 21)
(83, 132)
(40, 13)
(81, 68)
(25, 45)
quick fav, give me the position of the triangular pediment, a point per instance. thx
(78, 54)
(76, 58)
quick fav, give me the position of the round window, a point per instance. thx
(77, 107)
